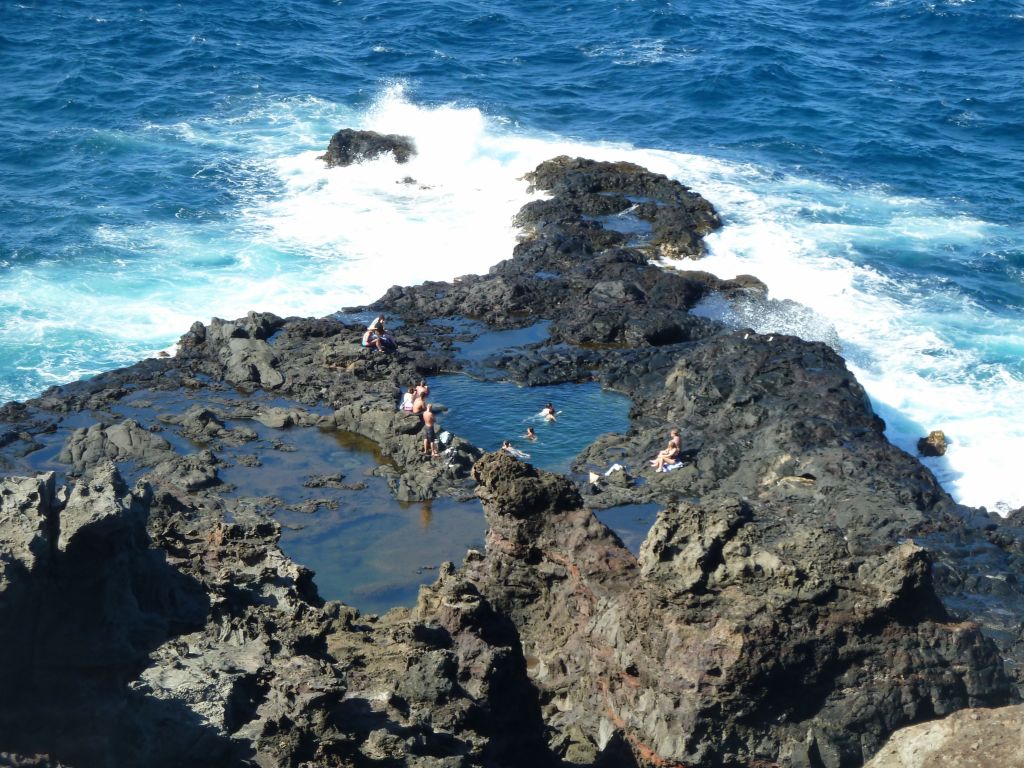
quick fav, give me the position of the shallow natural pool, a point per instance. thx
(337, 512)
(631, 522)
(487, 413)
(367, 549)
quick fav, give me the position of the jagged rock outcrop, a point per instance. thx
(933, 445)
(350, 146)
(81, 621)
(678, 218)
(736, 637)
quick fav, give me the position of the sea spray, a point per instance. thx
(272, 229)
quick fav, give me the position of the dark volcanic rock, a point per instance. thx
(695, 654)
(118, 442)
(349, 146)
(90, 603)
(678, 217)
(806, 590)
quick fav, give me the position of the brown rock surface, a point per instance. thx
(970, 738)
(736, 637)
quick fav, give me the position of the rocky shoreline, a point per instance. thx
(807, 589)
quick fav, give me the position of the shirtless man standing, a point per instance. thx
(418, 404)
(429, 439)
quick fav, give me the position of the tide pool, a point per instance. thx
(631, 522)
(488, 413)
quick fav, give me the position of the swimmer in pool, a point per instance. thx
(508, 448)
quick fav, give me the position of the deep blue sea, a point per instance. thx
(158, 165)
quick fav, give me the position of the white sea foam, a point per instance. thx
(306, 240)
(918, 347)
(803, 237)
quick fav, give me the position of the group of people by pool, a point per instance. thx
(414, 401)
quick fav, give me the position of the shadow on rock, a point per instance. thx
(85, 603)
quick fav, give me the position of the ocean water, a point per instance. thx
(158, 165)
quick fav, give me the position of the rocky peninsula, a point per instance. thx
(807, 589)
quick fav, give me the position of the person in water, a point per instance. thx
(548, 412)
(670, 454)
(530, 434)
(429, 436)
(508, 448)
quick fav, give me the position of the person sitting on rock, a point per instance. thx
(548, 413)
(670, 455)
(387, 343)
(429, 437)
(407, 400)
(371, 340)
(423, 388)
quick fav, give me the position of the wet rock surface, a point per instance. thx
(933, 445)
(349, 146)
(806, 590)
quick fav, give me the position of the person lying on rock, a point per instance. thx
(429, 438)
(670, 454)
